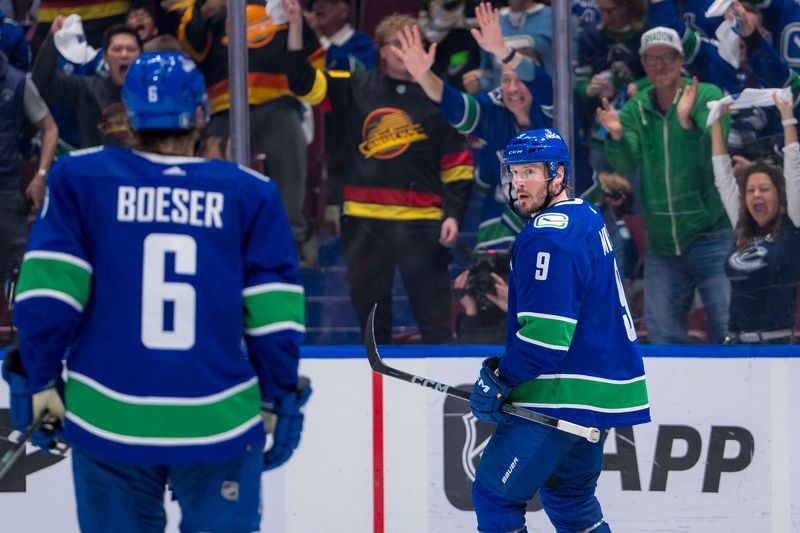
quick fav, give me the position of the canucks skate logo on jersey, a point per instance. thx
(551, 220)
(388, 132)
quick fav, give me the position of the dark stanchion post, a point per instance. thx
(237, 74)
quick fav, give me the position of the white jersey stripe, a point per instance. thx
(548, 317)
(274, 327)
(273, 287)
(542, 344)
(50, 293)
(59, 256)
(591, 378)
(581, 406)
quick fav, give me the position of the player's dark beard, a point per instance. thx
(531, 209)
(537, 207)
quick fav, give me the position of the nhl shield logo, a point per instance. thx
(230, 490)
(465, 438)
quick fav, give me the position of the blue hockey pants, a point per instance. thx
(214, 497)
(523, 458)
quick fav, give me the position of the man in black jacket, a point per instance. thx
(96, 100)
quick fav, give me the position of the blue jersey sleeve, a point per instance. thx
(54, 282)
(548, 282)
(274, 302)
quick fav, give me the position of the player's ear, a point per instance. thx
(556, 182)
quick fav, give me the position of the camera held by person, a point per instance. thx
(482, 291)
(480, 282)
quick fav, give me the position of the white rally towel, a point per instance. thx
(718, 8)
(728, 37)
(71, 42)
(746, 99)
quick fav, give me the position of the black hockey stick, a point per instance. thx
(377, 364)
(15, 452)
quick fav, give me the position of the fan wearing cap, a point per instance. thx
(662, 128)
(96, 100)
(149, 267)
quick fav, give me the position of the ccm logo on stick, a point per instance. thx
(435, 385)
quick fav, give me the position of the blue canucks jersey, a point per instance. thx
(571, 348)
(148, 271)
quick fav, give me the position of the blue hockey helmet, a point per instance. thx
(534, 146)
(162, 91)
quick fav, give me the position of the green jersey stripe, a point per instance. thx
(471, 114)
(61, 273)
(274, 306)
(492, 232)
(165, 441)
(550, 331)
(162, 400)
(582, 393)
(691, 45)
(169, 420)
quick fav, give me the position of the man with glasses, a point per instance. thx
(663, 129)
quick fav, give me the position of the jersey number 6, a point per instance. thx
(157, 292)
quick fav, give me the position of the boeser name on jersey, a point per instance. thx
(168, 204)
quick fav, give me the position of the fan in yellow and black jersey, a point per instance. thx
(404, 161)
(275, 114)
(203, 35)
(407, 180)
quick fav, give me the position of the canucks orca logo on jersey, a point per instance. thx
(388, 132)
(748, 260)
(790, 44)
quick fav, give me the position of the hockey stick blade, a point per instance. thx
(376, 362)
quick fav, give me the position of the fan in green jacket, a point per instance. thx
(662, 131)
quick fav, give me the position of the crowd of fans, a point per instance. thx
(685, 138)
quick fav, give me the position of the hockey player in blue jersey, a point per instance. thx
(571, 352)
(147, 268)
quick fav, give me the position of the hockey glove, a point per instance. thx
(27, 404)
(489, 393)
(287, 420)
